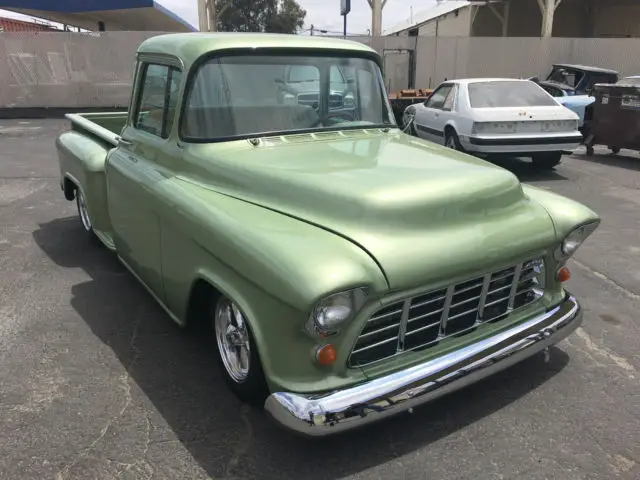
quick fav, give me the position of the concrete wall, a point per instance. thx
(74, 70)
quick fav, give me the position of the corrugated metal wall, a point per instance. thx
(95, 69)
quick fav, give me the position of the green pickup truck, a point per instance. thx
(346, 270)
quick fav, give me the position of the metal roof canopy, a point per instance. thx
(132, 15)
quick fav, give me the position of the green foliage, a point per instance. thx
(277, 16)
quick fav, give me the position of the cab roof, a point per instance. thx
(190, 46)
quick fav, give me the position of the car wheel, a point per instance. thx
(452, 141)
(83, 212)
(237, 353)
(547, 161)
(615, 150)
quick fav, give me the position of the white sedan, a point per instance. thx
(494, 116)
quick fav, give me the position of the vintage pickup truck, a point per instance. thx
(346, 270)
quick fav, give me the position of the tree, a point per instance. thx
(278, 16)
(289, 18)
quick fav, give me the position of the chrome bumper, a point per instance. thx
(320, 415)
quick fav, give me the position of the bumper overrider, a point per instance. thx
(320, 415)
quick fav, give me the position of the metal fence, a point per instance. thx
(72, 70)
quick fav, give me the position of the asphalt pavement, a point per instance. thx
(96, 382)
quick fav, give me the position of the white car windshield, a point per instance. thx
(508, 94)
(240, 96)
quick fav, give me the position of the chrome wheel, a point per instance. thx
(232, 336)
(83, 212)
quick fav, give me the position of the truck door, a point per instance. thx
(135, 172)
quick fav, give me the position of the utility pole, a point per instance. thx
(312, 29)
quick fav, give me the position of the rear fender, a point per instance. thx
(82, 162)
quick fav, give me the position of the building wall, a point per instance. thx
(617, 21)
(453, 24)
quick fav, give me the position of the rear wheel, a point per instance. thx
(237, 353)
(615, 150)
(547, 161)
(83, 212)
(452, 141)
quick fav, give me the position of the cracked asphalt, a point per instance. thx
(97, 383)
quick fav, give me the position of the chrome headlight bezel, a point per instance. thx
(334, 311)
(574, 240)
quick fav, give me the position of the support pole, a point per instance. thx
(548, 10)
(376, 20)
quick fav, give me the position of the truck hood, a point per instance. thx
(424, 213)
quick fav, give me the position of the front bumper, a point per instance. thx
(320, 415)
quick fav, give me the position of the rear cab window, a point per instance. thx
(504, 94)
(158, 99)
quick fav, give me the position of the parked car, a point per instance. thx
(578, 79)
(576, 103)
(301, 84)
(630, 80)
(493, 116)
(346, 271)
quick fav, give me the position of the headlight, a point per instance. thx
(331, 313)
(574, 240)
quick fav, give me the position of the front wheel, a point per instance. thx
(547, 161)
(237, 352)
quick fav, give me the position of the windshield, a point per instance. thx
(508, 94)
(250, 95)
(568, 77)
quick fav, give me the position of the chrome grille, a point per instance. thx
(425, 320)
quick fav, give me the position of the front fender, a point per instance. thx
(275, 267)
(566, 214)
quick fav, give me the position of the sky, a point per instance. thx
(323, 14)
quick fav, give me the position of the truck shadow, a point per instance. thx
(175, 372)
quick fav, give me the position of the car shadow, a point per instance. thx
(624, 159)
(174, 371)
(526, 171)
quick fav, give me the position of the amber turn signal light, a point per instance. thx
(327, 355)
(564, 275)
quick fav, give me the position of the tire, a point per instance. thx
(615, 150)
(452, 141)
(83, 212)
(547, 161)
(236, 352)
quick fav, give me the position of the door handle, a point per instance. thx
(124, 141)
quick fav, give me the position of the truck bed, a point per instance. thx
(106, 126)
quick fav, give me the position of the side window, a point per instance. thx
(158, 99)
(450, 100)
(436, 100)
